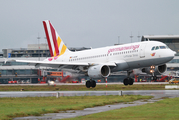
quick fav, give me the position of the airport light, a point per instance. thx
(118, 40)
(46, 46)
(131, 37)
(138, 37)
(38, 46)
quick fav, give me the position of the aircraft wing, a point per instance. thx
(62, 64)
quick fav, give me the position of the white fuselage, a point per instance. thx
(126, 57)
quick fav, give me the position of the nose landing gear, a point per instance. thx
(154, 78)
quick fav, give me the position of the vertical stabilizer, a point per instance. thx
(55, 43)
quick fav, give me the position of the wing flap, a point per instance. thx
(67, 65)
(108, 64)
(51, 63)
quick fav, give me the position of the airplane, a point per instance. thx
(100, 62)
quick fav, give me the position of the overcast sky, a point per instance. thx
(88, 23)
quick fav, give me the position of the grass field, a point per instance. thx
(167, 109)
(17, 107)
(83, 87)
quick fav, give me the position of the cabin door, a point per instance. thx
(142, 50)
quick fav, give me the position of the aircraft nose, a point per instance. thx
(174, 53)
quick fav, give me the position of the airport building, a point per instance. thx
(13, 72)
(16, 72)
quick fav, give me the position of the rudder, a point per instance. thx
(55, 43)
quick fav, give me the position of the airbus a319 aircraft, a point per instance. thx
(100, 62)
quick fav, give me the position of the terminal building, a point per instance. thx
(13, 72)
(16, 72)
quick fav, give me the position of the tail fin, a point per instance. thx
(55, 43)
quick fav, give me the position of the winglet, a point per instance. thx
(55, 43)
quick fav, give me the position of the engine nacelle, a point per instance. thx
(157, 71)
(98, 71)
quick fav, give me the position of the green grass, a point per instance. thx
(167, 109)
(83, 87)
(18, 107)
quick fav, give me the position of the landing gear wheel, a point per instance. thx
(91, 83)
(125, 81)
(88, 84)
(131, 81)
(154, 78)
(128, 81)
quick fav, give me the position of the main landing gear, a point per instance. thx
(128, 80)
(91, 83)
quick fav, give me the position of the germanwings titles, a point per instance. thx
(100, 62)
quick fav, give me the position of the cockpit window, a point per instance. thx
(157, 48)
(162, 47)
(153, 48)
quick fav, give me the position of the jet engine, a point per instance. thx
(98, 71)
(157, 70)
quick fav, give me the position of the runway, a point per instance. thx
(158, 95)
(109, 83)
(54, 93)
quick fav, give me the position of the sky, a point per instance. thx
(86, 23)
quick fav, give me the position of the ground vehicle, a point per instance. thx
(174, 81)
